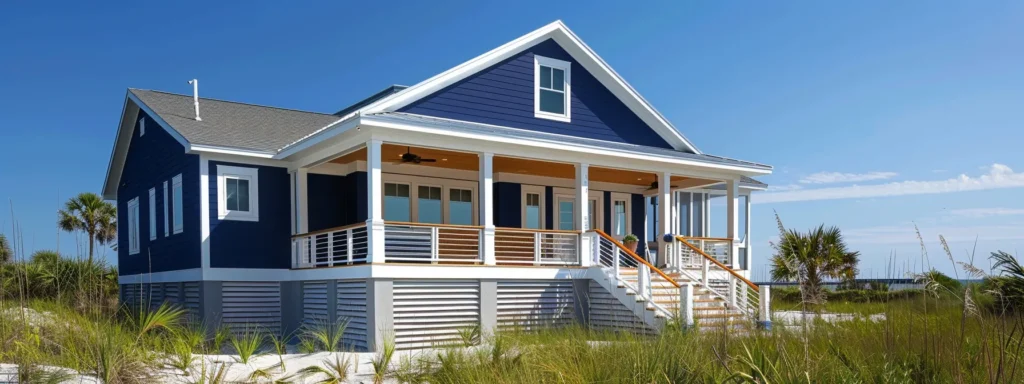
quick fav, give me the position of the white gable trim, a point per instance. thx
(575, 47)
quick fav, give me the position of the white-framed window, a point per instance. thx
(566, 212)
(533, 207)
(167, 218)
(177, 209)
(133, 226)
(429, 204)
(620, 215)
(460, 206)
(142, 127)
(238, 194)
(397, 202)
(551, 88)
(152, 213)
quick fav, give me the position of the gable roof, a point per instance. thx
(572, 44)
(230, 124)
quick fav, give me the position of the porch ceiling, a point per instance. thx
(391, 153)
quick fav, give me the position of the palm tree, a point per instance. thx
(811, 257)
(89, 213)
(5, 250)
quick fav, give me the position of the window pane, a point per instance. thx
(396, 208)
(532, 217)
(429, 202)
(552, 102)
(243, 195)
(558, 79)
(178, 210)
(461, 212)
(232, 193)
(565, 215)
(467, 195)
(390, 189)
(533, 199)
(545, 77)
(403, 190)
(620, 219)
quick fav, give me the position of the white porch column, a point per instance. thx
(486, 193)
(746, 237)
(583, 211)
(375, 202)
(664, 216)
(732, 188)
(301, 200)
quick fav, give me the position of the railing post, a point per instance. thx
(686, 305)
(330, 249)
(348, 236)
(732, 292)
(536, 248)
(615, 263)
(705, 272)
(583, 255)
(641, 280)
(295, 253)
(764, 318)
(434, 232)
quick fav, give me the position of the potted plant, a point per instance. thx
(630, 242)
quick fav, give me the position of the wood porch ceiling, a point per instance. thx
(391, 153)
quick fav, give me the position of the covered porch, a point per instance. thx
(394, 202)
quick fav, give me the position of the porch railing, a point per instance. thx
(345, 245)
(687, 254)
(718, 248)
(515, 246)
(433, 243)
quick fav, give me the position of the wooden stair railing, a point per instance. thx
(741, 293)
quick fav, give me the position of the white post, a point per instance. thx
(434, 256)
(641, 281)
(583, 211)
(664, 215)
(348, 248)
(486, 188)
(732, 292)
(615, 263)
(746, 237)
(536, 248)
(686, 304)
(375, 198)
(732, 188)
(705, 271)
(302, 200)
(330, 249)
(763, 313)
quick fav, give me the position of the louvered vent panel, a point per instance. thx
(172, 293)
(252, 304)
(431, 313)
(607, 313)
(352, 307)
(531, 304)
(191, 298)
(156, 295)
(314, 302)
(130, 295)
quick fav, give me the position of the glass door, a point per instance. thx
(566, 217)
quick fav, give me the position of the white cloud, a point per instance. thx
(998, 176)
(781, 188)
(904, 234)
(986, 212)
(836, 177)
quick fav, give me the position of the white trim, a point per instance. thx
(142, 126)
(565, 38)
(134, 240)
(167, 217)
(539, 191)
(365, 271)
(225, 172)
(230, 151)
(204, 213)
(177, 210)
(626, 199)
(555, 211)
(152, 213)
(566, 67)
(446, 185)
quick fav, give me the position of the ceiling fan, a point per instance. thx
(409, 157)
(654, 186)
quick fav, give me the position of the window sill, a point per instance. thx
(552, 116)
(232, 216)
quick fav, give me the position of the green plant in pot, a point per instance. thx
(630, 241)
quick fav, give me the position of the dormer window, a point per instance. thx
(551, 88)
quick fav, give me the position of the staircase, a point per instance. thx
(655, 295)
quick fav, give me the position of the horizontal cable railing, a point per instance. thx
(638, 275)
(515, 246)
(432, 243)
(687, 254)
(718, 248)
(330, 247)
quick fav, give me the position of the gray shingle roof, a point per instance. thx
(232, 124)
(470, 127)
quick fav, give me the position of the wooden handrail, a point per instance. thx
(682, 239)
(459, 226)
(328, 230)
(511, 229)
(635, 256)
(705, 238)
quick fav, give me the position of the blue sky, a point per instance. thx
(876, 115)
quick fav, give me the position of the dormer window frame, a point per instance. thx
(539, 63)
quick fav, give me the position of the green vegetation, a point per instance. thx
(89, 213)
(810, 258)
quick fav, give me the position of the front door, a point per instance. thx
(565, 214)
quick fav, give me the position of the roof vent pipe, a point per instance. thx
(195, 96)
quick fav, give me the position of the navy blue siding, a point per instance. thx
(503, 95)
(607, 212)
(357, 183)
(153, 159)
(254, 244)
(508, 205)
(549, 207)
(639, 213)
(327, 201)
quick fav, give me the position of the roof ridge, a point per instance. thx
(232, 102)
